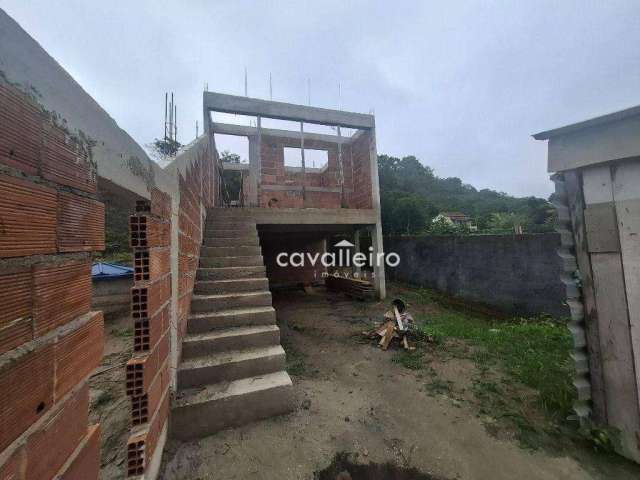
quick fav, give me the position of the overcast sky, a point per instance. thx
(460, 85)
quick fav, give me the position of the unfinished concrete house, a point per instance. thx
(206, 348)
(231, 331)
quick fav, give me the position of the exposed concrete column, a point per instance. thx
(378, 261)
(175, 345)
(376, 233)
(356, 242)
(254, 171)
(304, 175)
(340, 168)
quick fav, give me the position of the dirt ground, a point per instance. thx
(110, 405)
(352, 397)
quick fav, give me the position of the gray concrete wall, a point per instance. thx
(519, 275)
(112, 296)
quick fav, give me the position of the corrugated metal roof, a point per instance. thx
(592, 122)
(106, 271)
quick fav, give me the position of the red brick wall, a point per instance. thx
(194, 197)
(50, 341)
(361, 195)
(274, 173)
(148, 371)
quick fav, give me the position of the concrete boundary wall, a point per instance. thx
(517, 274)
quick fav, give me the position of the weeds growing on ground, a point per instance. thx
(409, 359)
(295, 359)
(534, 351)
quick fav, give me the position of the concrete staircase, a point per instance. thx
(232, 369)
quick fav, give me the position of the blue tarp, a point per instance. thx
(107, 271)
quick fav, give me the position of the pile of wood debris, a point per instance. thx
(352, 287)
(398, 323)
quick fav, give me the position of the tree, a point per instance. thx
(507, 222)
(405, 177)
(229, 157)
(442, 226)
(164, 151)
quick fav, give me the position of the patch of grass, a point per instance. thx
(296, 365)
(122, 332)
(120, 258)
(437, 387)
(534, 351)
(409, 359)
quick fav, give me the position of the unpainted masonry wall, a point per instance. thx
(50, 340)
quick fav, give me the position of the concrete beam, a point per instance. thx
(219, 102)
(237, 167)
(246, 131)
(307, 216)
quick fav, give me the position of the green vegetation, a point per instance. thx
(412, 195)
(411, 360)
(124, 332)
(296, 365)
(535, 352)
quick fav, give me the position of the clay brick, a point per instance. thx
(78, 353)
(16, 322)
(141, 446)
(151, 264)
(20, 130)
(50, 446)
(61, 293)
(144, 406)
(28, 218)
(80, 223)
(26, 392)
(146, 299)
(146, 231)
(159, 205)
(147, 331)
(14, 467)
(66, 161)
(142, 370)
(86, 462)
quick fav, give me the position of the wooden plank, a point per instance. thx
(602, 228)
(597, 185)
(617, 357)
(576, 206)
(627, 196)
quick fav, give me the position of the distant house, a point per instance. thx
(456, 218)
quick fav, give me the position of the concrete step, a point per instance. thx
(240, 261)
(250, 240)
(237, 338)
(227, 301)
(232, 286)
(232, 251)
(229, 273)
(230, 365)
(200, 412)
(236, 317)
(211, 232)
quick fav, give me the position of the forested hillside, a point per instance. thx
(412, 195)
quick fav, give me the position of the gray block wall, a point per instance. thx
(517, 274)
